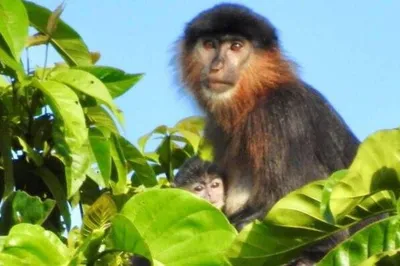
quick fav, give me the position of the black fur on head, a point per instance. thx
(194, 168)
(231, 19)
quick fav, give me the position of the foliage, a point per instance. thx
(61, 148)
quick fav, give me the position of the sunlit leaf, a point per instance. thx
(99, 215)
(88, 84)
(6, 59)
(101, 118)
(35, 246)
(186, 230)
(64, 39)
(14, 26)
(163, 130)
(375, 168)
(194, 124)
(100, 145)
(391, 257)
(125, 237)
(69, 131)
(294, 222)
(119, 179)
(372, 240)
(117, 81)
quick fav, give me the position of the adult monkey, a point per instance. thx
(271, 132)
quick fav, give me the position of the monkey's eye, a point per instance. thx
(198, 188)
(236, 46)
(215, 184)
(208, 44)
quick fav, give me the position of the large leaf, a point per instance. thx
(14, 25)
(69, 131)
(179, 228)
(64, 39)
(119, 177)
(378, 237)
(6, 59)
(101, 118)
(375, 168)
(35, 246)
(88, 84)
(294, 222)
(20, 207)
(125, 237)
(194, 124)
(101, 148)
(117, 81)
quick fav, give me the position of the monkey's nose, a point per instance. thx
(217, 64)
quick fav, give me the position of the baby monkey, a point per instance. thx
(202, 178)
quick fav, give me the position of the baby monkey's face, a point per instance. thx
(210, 188)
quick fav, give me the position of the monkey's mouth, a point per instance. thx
(218, 86)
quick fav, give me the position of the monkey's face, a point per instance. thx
(211, 189)
(221, 62)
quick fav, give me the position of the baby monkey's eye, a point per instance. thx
(215, 184)
(198, 188)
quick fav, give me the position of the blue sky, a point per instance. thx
(348, 50)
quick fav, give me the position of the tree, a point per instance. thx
(61, 148)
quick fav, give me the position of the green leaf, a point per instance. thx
(64, 39)
(35, 246)
(10, 62)
(69, 131)
(391, 257)
(117, 81)
(101, 118)
(125, 237)
(99, 215)
(143, 171)
(14, 25)
(206, 150)
(164, 151)
(57, 192)
(20, 207)
(88, 84)
(376, 167)
(186, 230)
(163, 130)
(5, 151)
(7, 259)
(65, 104)
(190, 138)
(378, 237)
(194, 124)
(101, 148)
(292, 223)
(119, 178)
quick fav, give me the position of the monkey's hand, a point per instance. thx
(245, 216)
